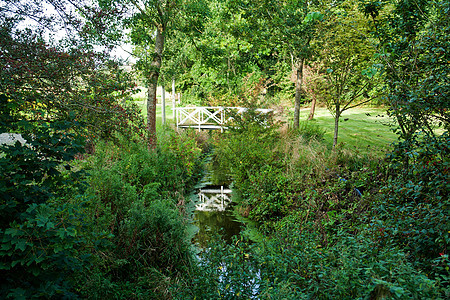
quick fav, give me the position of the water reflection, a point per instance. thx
(211, 223)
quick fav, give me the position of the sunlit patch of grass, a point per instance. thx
(142, 104)
(364, 130)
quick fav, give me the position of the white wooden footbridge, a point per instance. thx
(207, 117)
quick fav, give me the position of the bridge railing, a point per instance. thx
(206, 117)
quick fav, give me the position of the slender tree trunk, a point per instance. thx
(298, 92)
(163, 104)
(174, 104)
(336, 125)
(313, 108)
(153, 85)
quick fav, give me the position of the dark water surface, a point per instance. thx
(211, 223)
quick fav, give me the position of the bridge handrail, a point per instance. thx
(204, 115)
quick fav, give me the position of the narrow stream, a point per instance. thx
(213, 213)
(213, 216)
(210, 223)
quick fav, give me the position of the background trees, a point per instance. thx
(280, 30)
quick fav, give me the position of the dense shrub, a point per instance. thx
(128, 170)
(149, 248)
(41, 254)
(44, 239)
(275, 172)
(413, 211)
(294, 265)
(223, 271)
(349, 269)
(138, 196)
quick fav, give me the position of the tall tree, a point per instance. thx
(346, 57)
(150, 21)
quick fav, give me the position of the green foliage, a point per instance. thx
(138, 196)
(122, 173)
(154, 236)
(149, 247)
(37, 85)
(41, 254)
(223, 271)
(346, 62)
(44, 237)
(294, 265)
(414, 211)
(269, 194)
(413, 36)
(350, 268)
(31, 173)
(310, 131)
(246, 151)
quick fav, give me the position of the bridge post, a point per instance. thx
(222, 112)
(177, 113)
(200, 119)
(221, 196)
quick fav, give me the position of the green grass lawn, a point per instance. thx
(169, 112)
(362, 129)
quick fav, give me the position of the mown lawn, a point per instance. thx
(169, 112)
(362, 129)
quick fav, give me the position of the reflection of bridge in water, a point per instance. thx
(207, 117)
(213, 199)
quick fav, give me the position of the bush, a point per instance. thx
(155, 236)
(223, 271)
(137, 194)
(352, 268)
(149, 248)
(123, 172)
(53, 244)
(413, 209)
(246, 149)
(44, 238)
(294, 265)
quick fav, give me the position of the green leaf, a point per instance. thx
(21, 245)
(13, 232)
(71, 231)
(313, 16)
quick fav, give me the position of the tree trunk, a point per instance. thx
(313, 108)
(153, 85)
(298, 92)
(174, 104)
(336, 125)
(163, 104)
